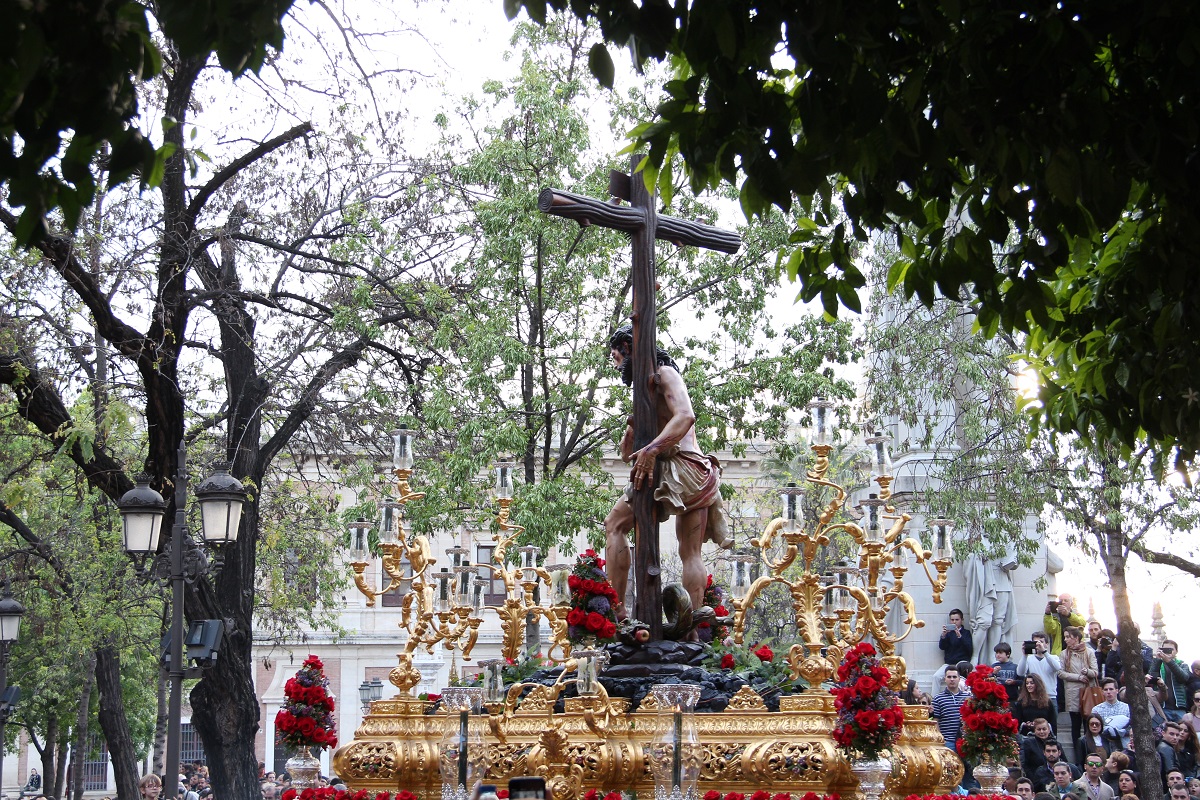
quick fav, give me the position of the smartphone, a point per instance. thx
(527, 786)
(1027, 647)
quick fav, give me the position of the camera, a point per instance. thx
(1027, 647)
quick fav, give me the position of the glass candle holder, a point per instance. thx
(674, 754)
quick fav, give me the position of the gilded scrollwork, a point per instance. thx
(746, 699)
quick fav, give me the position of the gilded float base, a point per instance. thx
(744, 748)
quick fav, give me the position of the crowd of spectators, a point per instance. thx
(1072, 667)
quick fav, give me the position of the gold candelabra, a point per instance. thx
(833, 614)
(446, 606)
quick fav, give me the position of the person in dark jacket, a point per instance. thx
(956, 645)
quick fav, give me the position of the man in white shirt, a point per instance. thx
(1114, 713)
(1044, 664)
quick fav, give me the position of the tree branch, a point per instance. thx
(307, 402)
(1170, 559)
(39, 403)
(238, 164)
(60, 252)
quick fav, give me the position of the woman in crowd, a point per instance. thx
(1127, 783)
(1078, 670)
(1188, 751)
(1033, 703)
(1192, 718)
(1116, 763)
(1032, 755)
(1091, 742)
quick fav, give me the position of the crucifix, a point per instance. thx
(640, 220)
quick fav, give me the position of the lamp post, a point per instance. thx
(142, 508)
(11, 612)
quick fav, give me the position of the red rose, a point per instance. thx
(595, 622)
(867, 720)
(727, 661)
(735, 796)
(721, 611)
(290, 794)
(591, 794)
(313, 662)
(609, 631)
(782, 796)
(761, 794)
(576, 616)
(764, 653)
(588, 585)
(502, 794)
(866, 685)
(711, 794)
(613, 796)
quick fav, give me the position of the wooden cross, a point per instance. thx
(641, 221)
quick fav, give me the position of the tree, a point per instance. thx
(524, 366)
(69, 90)
(1037, 159)
(1114, 507)
(249, 306)
(953, 394)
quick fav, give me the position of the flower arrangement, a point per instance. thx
(869, 715)
(330, 793)
(763, 794)
(988, 728)
(306, 719)
(592, 617)
(595, 794)
(756, 663)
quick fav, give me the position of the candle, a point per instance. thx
(676, 756)
(462, 748)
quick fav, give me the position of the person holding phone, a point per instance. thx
(1038, 660)
(956, 645)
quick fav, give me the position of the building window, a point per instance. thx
(495, 587)
(95, 764)
(395, 597)
(191, 749)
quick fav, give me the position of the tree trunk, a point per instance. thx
(47, 754)
(115, 724)
(79, 751)
(62, 748)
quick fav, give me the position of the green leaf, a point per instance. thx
(601, 65)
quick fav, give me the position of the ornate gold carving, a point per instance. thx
(648, 704)
(746, 699)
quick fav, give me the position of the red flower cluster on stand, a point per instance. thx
(869, 714)
(763, 794)
(330, 793)
(988, 728)
(306, 719)
(593, 614)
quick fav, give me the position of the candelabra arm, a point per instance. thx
(598, 726)
(740, 607)
(897, 529)
(768, 535)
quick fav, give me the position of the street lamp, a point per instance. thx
(220, 497)
(369, 692)
(11, 612)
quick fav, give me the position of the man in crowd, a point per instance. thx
(1024, 789)
(1168, 754)
(1175, 779)
(1115, 714)
(1093, 634)
(1044, 777)
(1062, 784)
(1091, 782)
(1179, 793)
(1171, 676)
(1060, 616)
(1194, 680)
(947, 706)
(1043, 663)
(956, 645)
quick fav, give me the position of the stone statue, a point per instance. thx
(991, 608)
(689, 484)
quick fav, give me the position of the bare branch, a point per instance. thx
(238, 164)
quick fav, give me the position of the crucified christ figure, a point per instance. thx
(689, 487)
